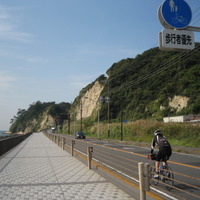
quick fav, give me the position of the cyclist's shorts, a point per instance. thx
(164, 154)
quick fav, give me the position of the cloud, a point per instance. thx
(8, 28)
(3, 14)
(11, 54)
(6, 80)
(32, 59)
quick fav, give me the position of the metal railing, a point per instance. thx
(125, 165)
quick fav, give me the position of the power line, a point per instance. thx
(163, 67)
(193, 20)
(196, 10)
(196, 20)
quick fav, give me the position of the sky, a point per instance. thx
(51, 49)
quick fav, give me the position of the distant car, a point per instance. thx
(53, 129)
(80, 135)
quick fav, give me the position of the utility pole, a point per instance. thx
(108, 101)
(100, 99)
(108, 119)
(121, 119)
(75, 123)
(98, 126)
(81, 127)
(69, 123)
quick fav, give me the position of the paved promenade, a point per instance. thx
(39, 169)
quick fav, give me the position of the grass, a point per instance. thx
(179, 134)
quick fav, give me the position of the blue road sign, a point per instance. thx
(176, 13)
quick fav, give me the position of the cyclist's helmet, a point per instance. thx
(158, 132)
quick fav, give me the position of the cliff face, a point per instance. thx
(45, 121)
(178, 103)
(89, 101)
(152, 85)
(39, 116)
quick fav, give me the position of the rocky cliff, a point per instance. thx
(89, 101)
(39, 116)
(152, 85)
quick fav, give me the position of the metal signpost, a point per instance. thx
(175, 16)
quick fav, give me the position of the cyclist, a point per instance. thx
(164, 152)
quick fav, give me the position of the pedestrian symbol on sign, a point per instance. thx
(176, 13)
(172, 5)
(175, 16)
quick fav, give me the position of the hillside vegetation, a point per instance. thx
(39, 116)
(179, 134)
(144, 87)
(146, 84)
(147, 88)
(151, 86)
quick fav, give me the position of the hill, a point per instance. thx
(148, 87)
(39, 116)
(152, 85)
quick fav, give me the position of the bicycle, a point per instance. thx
(179, 19)
(165, 173)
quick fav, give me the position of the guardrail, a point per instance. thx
(124, 164)
(8, 143)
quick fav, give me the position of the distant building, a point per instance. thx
(183, 118)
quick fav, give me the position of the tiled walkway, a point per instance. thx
(39, 169)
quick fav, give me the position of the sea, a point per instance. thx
(3, 134)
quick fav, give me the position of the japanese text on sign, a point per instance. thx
(182, 39)
(176, 39)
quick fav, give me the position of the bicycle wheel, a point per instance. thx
(152, 172)
(168, 179)
(175, 20)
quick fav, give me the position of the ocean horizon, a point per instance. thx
(2, 131)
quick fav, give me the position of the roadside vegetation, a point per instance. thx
(141, 88)
(179, 134)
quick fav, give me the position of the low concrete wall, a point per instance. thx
(9, 143)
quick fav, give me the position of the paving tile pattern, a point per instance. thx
(38, 169)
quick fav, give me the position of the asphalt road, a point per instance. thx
(125, 159)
